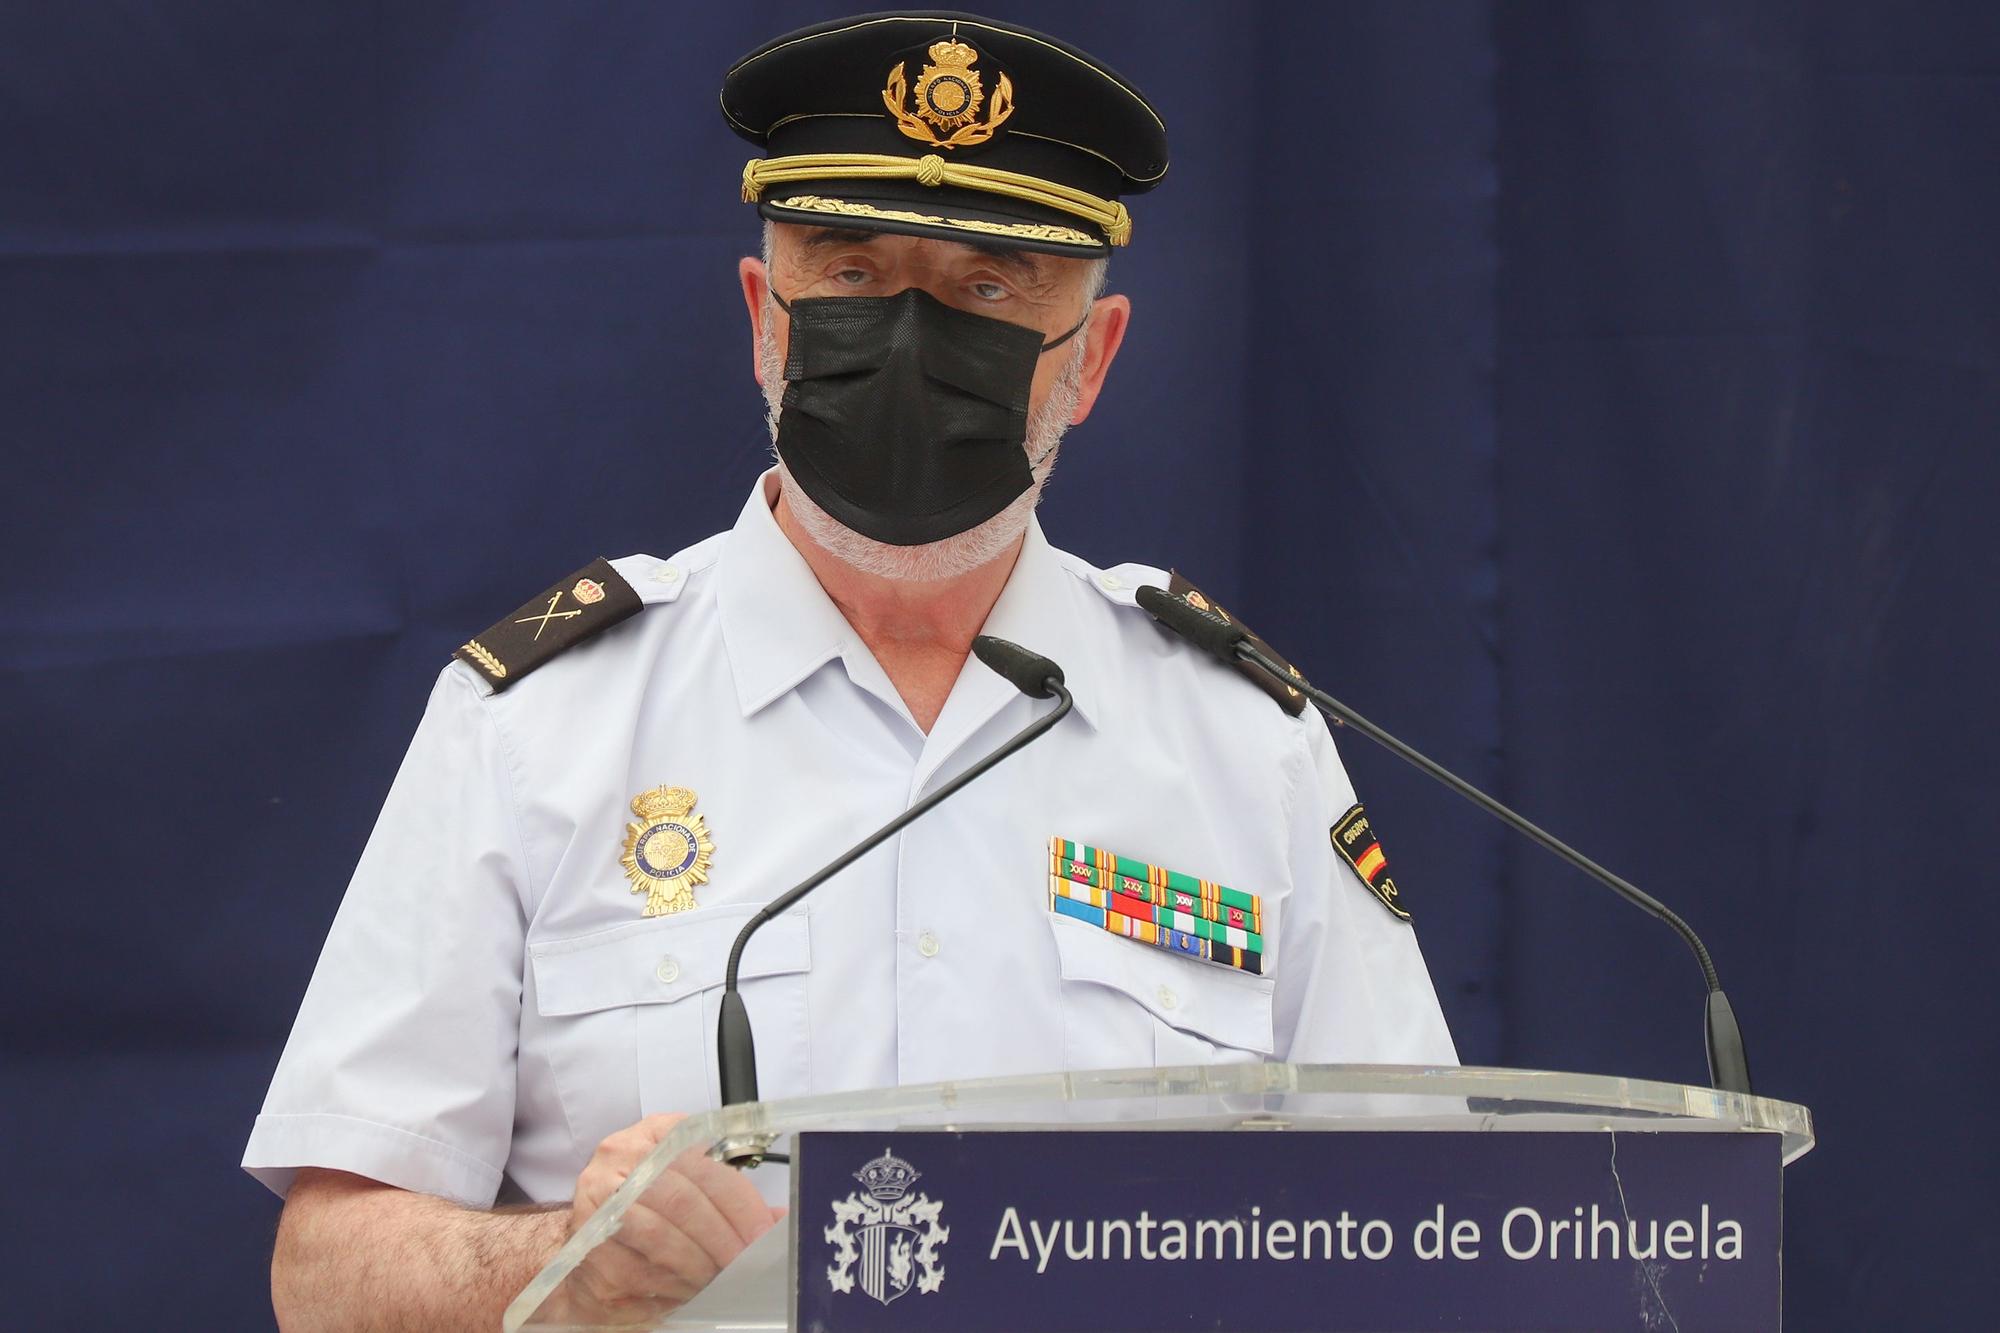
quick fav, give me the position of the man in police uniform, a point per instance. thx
(519, 994)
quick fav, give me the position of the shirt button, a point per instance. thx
(1167, 998)
(1110, 582)
(667, 574)
(927, 945)
(669, 970)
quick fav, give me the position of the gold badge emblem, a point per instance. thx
(588, 591)
(667, 851)
(949, 94)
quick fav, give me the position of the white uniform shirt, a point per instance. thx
(491, 1004)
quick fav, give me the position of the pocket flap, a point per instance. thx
(1227, 1007)
(662, 960)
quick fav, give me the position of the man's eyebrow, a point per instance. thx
(831, 238)
(1021, 261)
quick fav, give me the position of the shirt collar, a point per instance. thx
(779, 626)
(1041, 608)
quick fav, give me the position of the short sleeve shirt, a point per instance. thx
(492, 1002)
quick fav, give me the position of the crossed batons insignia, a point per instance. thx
(541, 622)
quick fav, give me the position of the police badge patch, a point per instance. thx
(1354, 838)
(667, 851)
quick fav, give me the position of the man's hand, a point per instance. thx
(689, 1225)
(355, 1253)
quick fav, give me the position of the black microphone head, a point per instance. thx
(1728, 1066)
(1204, 629)
(1030, 673)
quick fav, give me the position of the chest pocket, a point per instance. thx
(627, 1015)
(1128, 1003)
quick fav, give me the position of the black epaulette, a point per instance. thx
(586, 603)
(1289, 699)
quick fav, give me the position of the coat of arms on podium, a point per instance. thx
(892, 1238)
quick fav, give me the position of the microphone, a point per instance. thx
(1204, 629)
(1229, 643)
(735, 1051)
(1030, 673)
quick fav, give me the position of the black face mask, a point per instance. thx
(904, 418)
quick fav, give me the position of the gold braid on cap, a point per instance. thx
(932, 170)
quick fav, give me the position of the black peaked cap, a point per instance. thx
(948, 125)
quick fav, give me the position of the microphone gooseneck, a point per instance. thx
(736, 1055)
(1226, 641)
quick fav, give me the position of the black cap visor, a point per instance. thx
(947, 213)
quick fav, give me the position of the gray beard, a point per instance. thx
(953, 556)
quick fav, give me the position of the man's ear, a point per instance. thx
(756, 284)
(1109, 318)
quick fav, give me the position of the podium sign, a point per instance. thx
(1108, 1230)
(1240, 1196)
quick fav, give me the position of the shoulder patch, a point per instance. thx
(1354, 838)
(1289, 699)
(588, 602)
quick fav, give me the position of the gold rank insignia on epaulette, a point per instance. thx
(1354, 838)
(1289, 699)
(587, 602)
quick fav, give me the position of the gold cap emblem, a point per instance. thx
(668, 851)
(588, 591)
(948, 97)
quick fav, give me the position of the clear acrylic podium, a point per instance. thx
(1231, 1099)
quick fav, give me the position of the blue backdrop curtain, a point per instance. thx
(1602, 396)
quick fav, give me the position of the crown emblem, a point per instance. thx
(948, 96)
(887, 1178)
(663, 803)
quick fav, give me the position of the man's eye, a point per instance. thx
(989, 291)
(851, 277)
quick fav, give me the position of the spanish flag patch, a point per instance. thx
(1354, 838)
